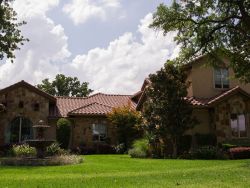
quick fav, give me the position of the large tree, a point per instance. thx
(167, 115)
(65, 86)
(212, 27)
(10, 34)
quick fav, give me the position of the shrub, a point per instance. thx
(140, 149)
(184, 144)
(23, 151)
(54, 149)
(137, 153)
(63, 132)
(205, 152)
(120, 148)
(103, 148)
(127, 121)
(206, 139)
(240, 152)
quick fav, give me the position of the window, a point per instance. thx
(221, 76)
(238, 125)
(20, 105)
(99, 132)
(36, 107)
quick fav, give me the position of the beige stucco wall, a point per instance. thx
(202, 77)
(82, 130)
(12, 98)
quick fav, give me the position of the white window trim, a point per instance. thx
(222, 88)
(238, 129)
(99, 135)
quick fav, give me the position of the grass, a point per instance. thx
(122, 171)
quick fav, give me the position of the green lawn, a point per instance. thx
(122, 171)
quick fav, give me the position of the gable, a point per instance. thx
(24, 85)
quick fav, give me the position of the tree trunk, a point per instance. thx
(174, 142)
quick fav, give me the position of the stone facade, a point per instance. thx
(31, 105)
(21, 102)
(82, 131)
(237, 104)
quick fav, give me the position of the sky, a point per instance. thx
(104, 42)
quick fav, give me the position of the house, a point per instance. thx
(220, 103)
(23, 105)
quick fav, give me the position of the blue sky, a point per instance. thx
(104, 42)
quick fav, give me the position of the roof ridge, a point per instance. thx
(84, 106)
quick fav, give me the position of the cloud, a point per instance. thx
(118, 68)
(123, 65)
(81, 11)
(39, 57)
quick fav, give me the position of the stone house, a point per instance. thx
(23, 105)
(220, 103)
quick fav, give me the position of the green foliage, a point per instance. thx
(120, 148)
(65, 86)
(215, 27)
(185, 143)
(205, 152)
(24, 151)
(127, 121)
(140, 149)
(63, 132)
(206, 139)
(10, 34)
(54, 149)
(167, 115)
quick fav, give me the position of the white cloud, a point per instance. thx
(48, 44)
(119, 68)
(123, 65)
(82, 10)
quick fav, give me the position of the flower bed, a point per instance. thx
(48, 161)
(240, 152)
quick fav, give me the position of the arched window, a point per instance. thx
(20, 130)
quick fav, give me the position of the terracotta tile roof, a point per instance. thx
(92, 109)
(70, 104)
(222, 96)
(197, 101)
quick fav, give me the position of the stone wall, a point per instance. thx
(12, 101)
(235, 105)
(83, 133)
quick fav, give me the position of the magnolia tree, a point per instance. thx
(167, 115)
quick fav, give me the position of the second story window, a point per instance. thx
(221, 78)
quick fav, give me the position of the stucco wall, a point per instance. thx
(12, 98)
(202, 77)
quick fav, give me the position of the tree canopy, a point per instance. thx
(167, 115)
(10, 34)
(212, 27)
(65, 86)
